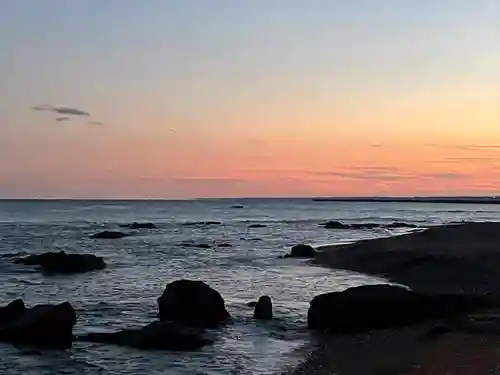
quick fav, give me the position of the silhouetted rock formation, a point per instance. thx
(386, 306)
(237, 206)
(156, 335)
(136, 225)
(257, 226)
(301, 251)
(42, 325)
(61, 262)
(109, 235)
(192, 303)
(263, 309)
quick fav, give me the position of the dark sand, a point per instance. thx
(459, 259)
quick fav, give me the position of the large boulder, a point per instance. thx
(61, 262)
(263, 309)
(109, 235)
(192, 303)
(301, 251)
(156, 335)
(41, 325)
(385, 306)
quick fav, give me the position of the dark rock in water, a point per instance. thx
(156, 335)
(257, 226)
(252, 304)
(136, 225)
(263, 309)
(192, 303)
(301, 251)
(335, 225)
(338, 225)
(13, 255)
(372, 307)
(224, 245)
(11, 312)
(109, 235)
(200, 245)
(237, 206)
(42, 325)
(62, 262)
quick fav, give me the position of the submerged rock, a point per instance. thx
(137, 225)
(237, 206)
(202, 223)
(224, 244)
(61, 262)
(301, 251)
(199, 245)
(252, 304)
(41, 325)
(398, 224)
(109, 235)
(263, 309)
(257, 226)
(385, 306)
(156, 335)
(192, 303)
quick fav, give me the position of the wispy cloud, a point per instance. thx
(62, 119)
(95, 123)
(62, 110)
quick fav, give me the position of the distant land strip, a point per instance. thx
(455, 200)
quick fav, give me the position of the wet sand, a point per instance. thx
(458, 259)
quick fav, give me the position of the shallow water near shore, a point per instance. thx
(124, 294)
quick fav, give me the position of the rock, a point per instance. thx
(335, 225)
(257, 226)
(156, 335)
(61, 262)
(42, 325)
(200, 245)
(301, 251)
(11, 312)
(338, 225)
(372, 307)
(192, 303)
(224, 245)
(237, 206)
(252, 304)
(136, 225)
(109, 235)
(263, 309)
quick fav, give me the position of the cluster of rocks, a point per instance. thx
(188, 307)
(185, 309)
(63, 263)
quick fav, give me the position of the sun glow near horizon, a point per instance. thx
(250, 99)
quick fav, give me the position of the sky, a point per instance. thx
(248, 98)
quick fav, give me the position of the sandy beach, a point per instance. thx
(449, 259)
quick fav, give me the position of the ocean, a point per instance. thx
(139, 267)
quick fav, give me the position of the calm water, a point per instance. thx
(124, 295)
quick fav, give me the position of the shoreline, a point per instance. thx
(458, 258)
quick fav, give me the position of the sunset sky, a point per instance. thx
(216, 98)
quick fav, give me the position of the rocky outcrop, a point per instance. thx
(301, 251)
(156, 335)
(202, 223)
(41, 325)
(61, 262)
(193, 304)
(137, 225)
(263, 309)
(109, 235)
(372, 307)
